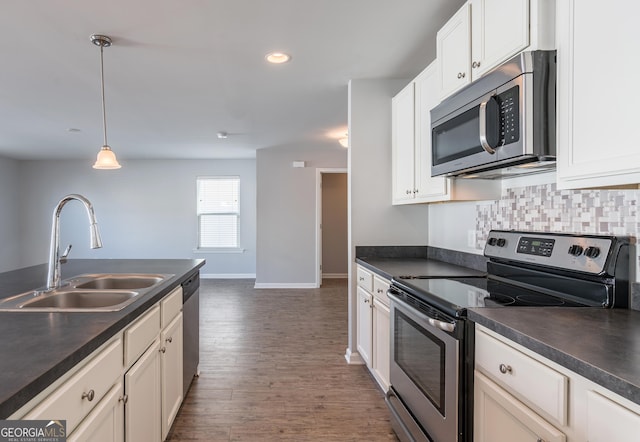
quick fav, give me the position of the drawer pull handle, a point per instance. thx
(163, 350)
(123, 399)
(89, 396)
(169, 340)
(504, 369)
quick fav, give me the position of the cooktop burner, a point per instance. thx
(455, 296)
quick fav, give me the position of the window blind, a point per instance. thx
(218, 210)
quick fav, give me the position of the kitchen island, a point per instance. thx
(39, 347)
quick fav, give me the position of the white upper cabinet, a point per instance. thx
(453, 45)
(411, 149)
(485, 33)
(499, 29)
(598, 110)
(402, 133)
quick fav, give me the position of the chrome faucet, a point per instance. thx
(53, 273)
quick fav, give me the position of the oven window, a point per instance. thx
(457, 138)
(421, 356)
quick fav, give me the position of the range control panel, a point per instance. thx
(586, 253)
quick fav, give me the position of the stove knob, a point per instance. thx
(575, 250)
(492, 241)
(501, 242)
(592, 252)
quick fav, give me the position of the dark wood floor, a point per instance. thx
(273, 369)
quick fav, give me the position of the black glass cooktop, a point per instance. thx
(455, 296)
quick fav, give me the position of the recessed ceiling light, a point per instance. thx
(222, 135)
(73, 130)
(277, 57)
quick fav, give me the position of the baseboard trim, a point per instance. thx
(353, 358)
(227, 276)
(285, 285)
(335, 275)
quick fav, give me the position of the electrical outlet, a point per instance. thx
(471, 239)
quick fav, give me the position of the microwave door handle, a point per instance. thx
(493, 118)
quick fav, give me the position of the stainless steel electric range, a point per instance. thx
(432, 345)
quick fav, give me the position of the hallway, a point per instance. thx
(273, 369)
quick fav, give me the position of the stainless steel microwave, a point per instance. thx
(500, 125)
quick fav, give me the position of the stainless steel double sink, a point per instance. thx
(98, 292)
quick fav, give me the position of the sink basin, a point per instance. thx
(83, 300)
(120, 282)
(97, 292)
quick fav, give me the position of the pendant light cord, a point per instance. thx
(104, 112)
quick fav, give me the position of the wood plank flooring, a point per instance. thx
(273, 369)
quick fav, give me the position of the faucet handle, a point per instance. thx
(65, 254)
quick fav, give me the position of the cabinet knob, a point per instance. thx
(461, 74)
(361, 278)
(379, 290)
(408, 192)
(366, 301)
(475, 64)
(504, 369)
(163, 350)
(169, 340)
(89, 395)
(123, 399)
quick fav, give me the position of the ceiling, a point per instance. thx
(180, 71)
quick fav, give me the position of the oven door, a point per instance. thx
(425, 369)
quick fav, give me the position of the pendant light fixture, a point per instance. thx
(106, 158)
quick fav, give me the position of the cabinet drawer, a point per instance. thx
(537, 385)
(98, 376)
(170, 306)
(380, 287)
(365, 279)
(139, 335)
(608, 421)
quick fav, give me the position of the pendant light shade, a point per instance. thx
(106, 158)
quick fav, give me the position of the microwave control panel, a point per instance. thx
(509, 102)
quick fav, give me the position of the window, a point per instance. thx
(218, 212)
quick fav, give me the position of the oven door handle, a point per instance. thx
(433, 322)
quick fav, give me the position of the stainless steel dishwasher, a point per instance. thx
(190, 329)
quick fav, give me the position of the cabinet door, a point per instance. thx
(106, 422)
(597, 99)
(365, 324)
(499, 417)
(171, 367)
(426, 98)
(402, 144)
(499, 30)
(381, 343)
(610, 421)
(143, 408)
(453, 45)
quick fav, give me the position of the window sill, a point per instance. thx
(220, 250)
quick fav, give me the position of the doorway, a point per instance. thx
(331, 224)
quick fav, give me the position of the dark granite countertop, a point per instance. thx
(602, 345)
(394, 267)
(37, 348)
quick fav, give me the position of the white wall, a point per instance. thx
(286, 214)
(147, 209)
(374, 221)
(10, 245)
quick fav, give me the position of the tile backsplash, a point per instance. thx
(544, 208)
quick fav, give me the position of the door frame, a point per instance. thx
(319, 173)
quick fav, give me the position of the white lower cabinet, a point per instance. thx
(365, 324)
(171, 372)
(142, 387)
(106, 422)
(78, 396)
(499, 417)
(520, 395)
(381, 343)
(374, 329)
